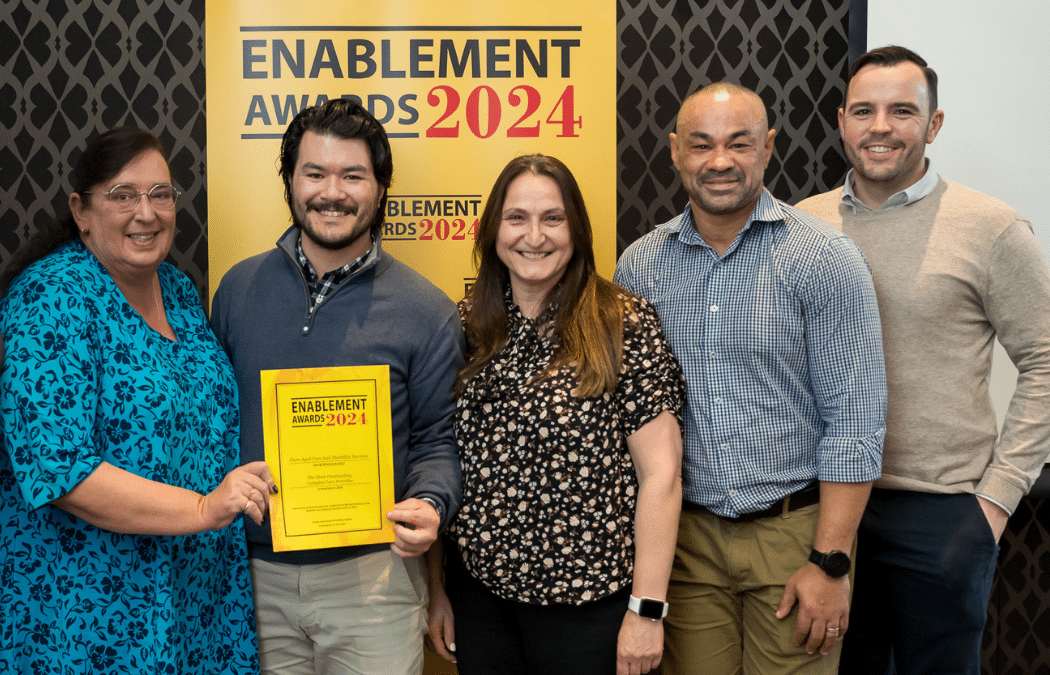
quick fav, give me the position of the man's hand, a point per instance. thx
(639, 646)
(415, 527)
(823, 606)
(996, 516)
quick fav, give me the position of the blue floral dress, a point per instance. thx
(85, 380)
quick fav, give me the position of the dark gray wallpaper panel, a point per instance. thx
(794, 53)
(70, 70)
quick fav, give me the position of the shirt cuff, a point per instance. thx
(997, 503)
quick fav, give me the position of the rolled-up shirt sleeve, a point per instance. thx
(844, 348)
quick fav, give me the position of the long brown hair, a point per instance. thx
(589, 317)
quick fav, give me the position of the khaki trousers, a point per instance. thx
(725, 588)
(362, 616)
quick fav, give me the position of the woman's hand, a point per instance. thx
(441, 624)
(639, 646)
(441, 628)
(120, 501)
(245, 490)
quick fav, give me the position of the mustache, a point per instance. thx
(734, 174)
(333, 206)
(880, 139)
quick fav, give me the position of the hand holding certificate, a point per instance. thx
(416, 526)
(328, 443)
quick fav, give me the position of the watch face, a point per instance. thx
(651, 609)
(836, 564)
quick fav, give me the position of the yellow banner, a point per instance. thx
(461, 89)
(328, 445)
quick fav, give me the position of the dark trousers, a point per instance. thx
(499, 637)
(923, 576)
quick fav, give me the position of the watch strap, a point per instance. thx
(835, 564)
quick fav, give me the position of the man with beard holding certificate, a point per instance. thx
(328, 295)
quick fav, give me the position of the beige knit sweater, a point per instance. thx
(952, 272)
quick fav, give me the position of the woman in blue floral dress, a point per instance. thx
(122, 547)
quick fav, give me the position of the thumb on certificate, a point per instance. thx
(413, 512)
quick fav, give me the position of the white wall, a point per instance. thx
(993, 65)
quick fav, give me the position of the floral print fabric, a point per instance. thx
(549, 487)
(86, 381)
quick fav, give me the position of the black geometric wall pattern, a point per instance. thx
(1017, 635)
(794, 53)
(70, 70)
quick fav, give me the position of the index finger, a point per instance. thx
(409, 517)
(803, 627)
(262, 471)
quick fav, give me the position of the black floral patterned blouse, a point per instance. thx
(549, 488)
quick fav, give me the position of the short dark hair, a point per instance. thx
(345, 119)
(892, 55)
(103, 158)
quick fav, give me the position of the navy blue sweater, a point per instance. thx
(385, 313)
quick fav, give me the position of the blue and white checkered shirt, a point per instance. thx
(781, 346)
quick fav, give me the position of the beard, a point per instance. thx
(910, 164)
(332, 241)
(906, 165)
(728, 203)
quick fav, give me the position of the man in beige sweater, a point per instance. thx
(954, 269)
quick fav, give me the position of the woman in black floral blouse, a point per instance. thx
(567, 422)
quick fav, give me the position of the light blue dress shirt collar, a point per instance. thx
(913, 193)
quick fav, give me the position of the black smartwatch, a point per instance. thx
(648, 608)
(835, 564)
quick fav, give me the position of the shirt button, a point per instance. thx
(306, 328)
(718, 400)
(714, 308)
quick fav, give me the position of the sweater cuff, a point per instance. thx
(999, 491)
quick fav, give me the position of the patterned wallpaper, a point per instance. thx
(794, 54)
(70, 70)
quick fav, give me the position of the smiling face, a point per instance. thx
(885, 127)
(335, 195)
(534, 241)
(129, 244)
(721, 147)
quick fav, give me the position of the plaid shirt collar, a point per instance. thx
(319, 288)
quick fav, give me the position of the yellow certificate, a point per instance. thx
(328, 444)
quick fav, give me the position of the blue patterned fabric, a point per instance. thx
(85, 380)
(781, 346)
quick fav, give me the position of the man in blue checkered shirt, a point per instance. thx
(773, 317)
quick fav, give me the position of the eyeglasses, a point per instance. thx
(162, 196)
